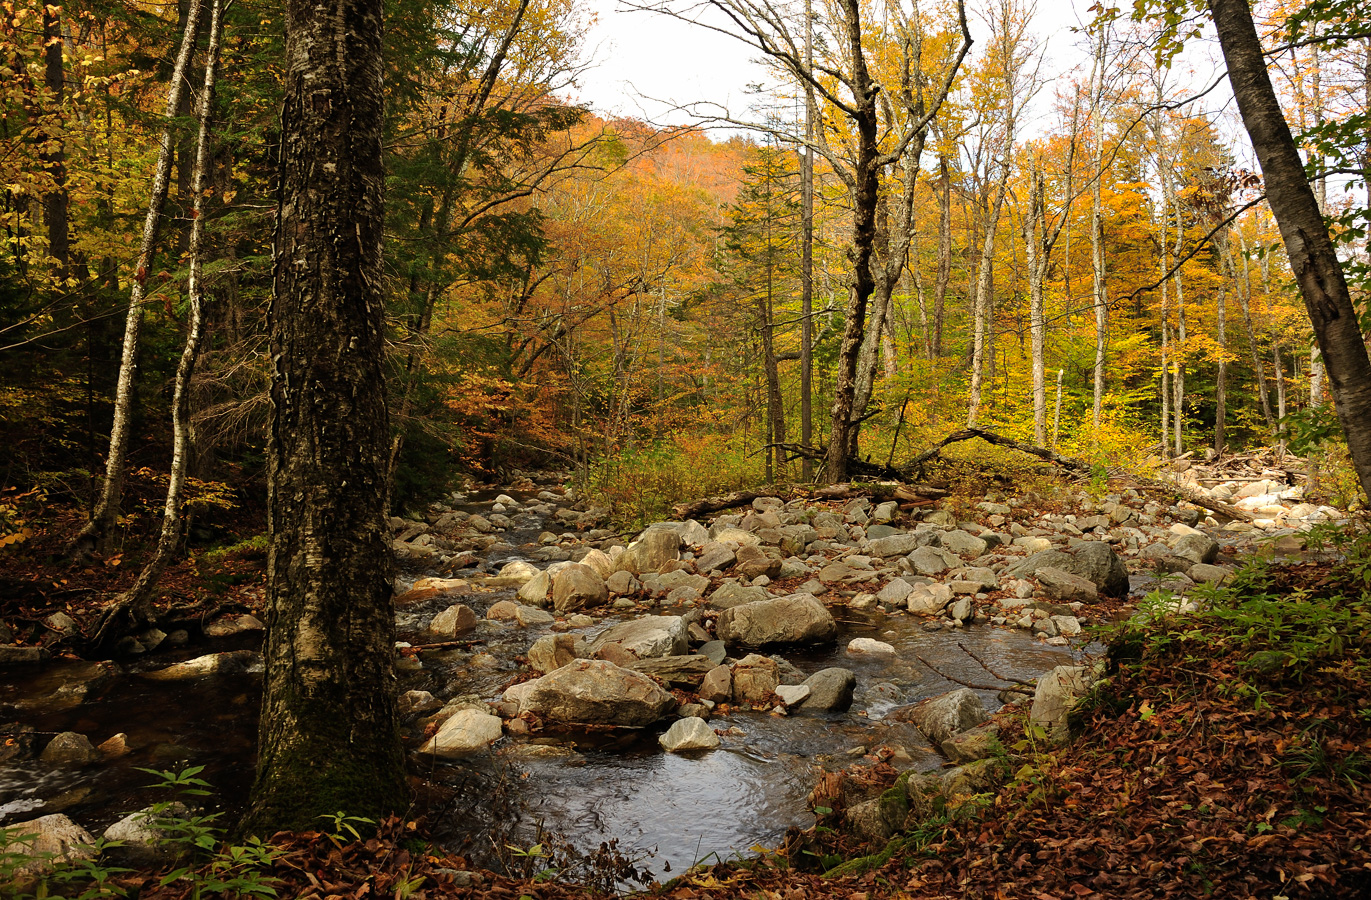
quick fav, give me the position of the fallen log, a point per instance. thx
(1197, 497)
(990, 437)
(715, 504)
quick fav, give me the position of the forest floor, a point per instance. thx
(1226, 754)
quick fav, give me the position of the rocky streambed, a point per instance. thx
(681, 691)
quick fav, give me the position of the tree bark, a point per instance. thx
(807, 258)
(944, 254)
(985, 270)
(1037, 321)
(328, 738)
(1313, 260)
(1096, 235)
(99, 529)
(55, 158)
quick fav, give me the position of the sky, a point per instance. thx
(647, 66)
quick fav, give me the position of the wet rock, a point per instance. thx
(864, 646)
(1066, 587)
(45, 842)
(651, 551)
(70, 749)
(229, 626)
(830, 690)
(595, 692)
(552, 651)
(960, 610)
(13, 655)
(415, 703)
(231, 663)
(60, 621)
(142, 836)
(576, 587)
(456, 619)
(798, 618)
(939, 718)
(114, 747)
(648, 637)
(687, 734)
(755, 679)
(428, 588)
(877, 819)
(468, 731)
(1055, 695)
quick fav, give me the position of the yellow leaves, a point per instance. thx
(15, 537)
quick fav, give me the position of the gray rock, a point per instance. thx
(985, 578)
(927, 561)
(942, 717)
(717, 686)
(1055, 695)
(414, 703)
(623, 582)
(693, 733)
(46, 842)
(1198, 548)
(731, 594)
(143, 837)
(715, 557)
(796, 619)
(577, 587)
(233, 662)
(896, 592)
(646, 638)
(676, 671)
(595, 692)
(830, 690)
(1097, 561)
(1203, 573)
(529, 616)
(12, 655)
(654, 549)
(1066, 587)
(715, 650)
(536, 589)
(981, 742)
(963, 544)
(793, 695)
(468, 731)
(961, 609)
(894, 545)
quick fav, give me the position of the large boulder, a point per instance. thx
(796, 619)
(648, 637)
(143, 837)
(893, 545)
(1066, 587)
(656, 548)
(552, 651)
(755, 679)
(536, 589)
(830, 690)
(692, 733)
(731, 593)
(675, 671)
(1055, 695)
(942, 717)
(468, 731)
(595, 692)
(70, 749)
(45, 842)
(964, 545)
(1094, 560)
(456, 619)
(577, 587)
(230, 663)
(1197, 548)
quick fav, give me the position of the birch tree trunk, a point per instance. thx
(329, 737)
(1096, 236)
(1221, 376)
(1245, 303)
(1037, 321)
(135, 602)
(98, 531)
(983, 287)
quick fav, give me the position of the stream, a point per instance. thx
(666, 810)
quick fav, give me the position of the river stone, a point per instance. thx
(654, 549)
(736, 535)
(680, 578)
(961, 608)
(715, 557)
(896, 592)
(717, 686)
(599, 561)
(941, 517)
(693, 733)
(1203, 573)
(518, 571)
(529, 616)
(428, 588)
(231, 625)
(1198, 548)
(13, 655)
(45, 842)
(232, 662)
(412, 703)
(981, 576)
(455, 620)
(973, 778)
(731, 594)
(1055, 695)
(830, 690)
(981, 742)
(755, 679)
(1066, 587)
(1067, 626)
(796, 619)
(1033, 544)
(963, 544)
(552, 651)
(578, 587)
(1097, 561)
(939, 718)
(753, 562)
(792, 695)
(675, 671)
(623, 582)
(141, 838)
(864, 646)
(648, 637)
(502, 610)
(595, 692)
(927, 561)
(70, 749)
(468, 731)
(894, 545)
(536, 589)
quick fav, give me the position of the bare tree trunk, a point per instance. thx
(1096, 237)
(1312, 258)
(100, 528)
(1057, 414)
(54, 156)
(1037, 320)
(329, 736)
(944, 254)
(983, 288)
(807, 261)
(135, 603)
(1221, 377)
(1245, 302)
